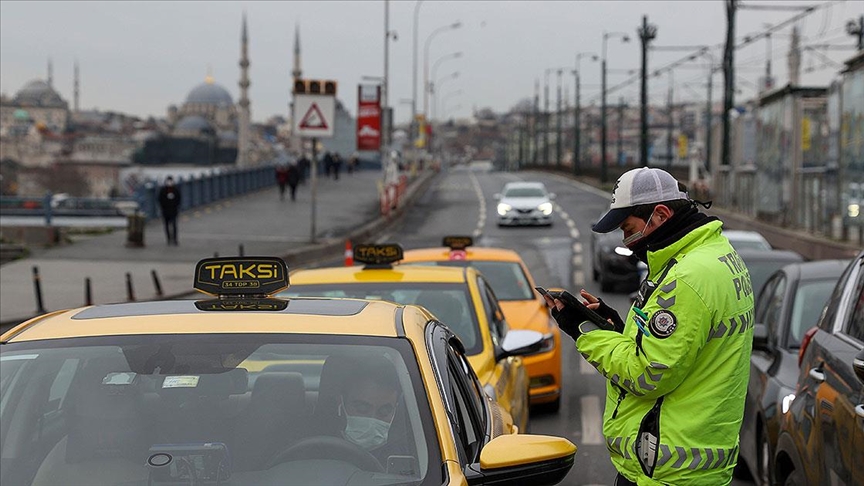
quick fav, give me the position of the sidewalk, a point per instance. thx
(259, 221)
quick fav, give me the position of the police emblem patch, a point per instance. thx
(662, 324)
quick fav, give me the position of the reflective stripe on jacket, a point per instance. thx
(694, 352)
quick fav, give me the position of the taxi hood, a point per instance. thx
(526, 314)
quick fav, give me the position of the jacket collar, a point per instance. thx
(706, 229)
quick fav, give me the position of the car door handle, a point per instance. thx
(859, 410)
(817, 374)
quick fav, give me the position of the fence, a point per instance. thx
(205, 189)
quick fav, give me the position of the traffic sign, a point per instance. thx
(314, 115)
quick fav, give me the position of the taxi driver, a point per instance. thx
(368, 402)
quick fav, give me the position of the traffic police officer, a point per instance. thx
(678, 366)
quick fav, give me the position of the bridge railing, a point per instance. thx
(201, 190)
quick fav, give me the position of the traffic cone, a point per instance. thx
(349, 254)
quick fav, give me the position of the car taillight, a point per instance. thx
(804, 342)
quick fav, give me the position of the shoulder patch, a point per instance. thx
(662, 324)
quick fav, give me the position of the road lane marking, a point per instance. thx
(591, 420)
(577, 247)
(578, 278)
(574, 233)
(585, 367)
(571, 224)
(577, 260)
(481, 218)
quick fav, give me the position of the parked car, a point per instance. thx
(789, 305)
(746, 240)
(613, 264)
(524, 203)
(822, 436)
(761, 264)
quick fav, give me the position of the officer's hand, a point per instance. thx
(568, 320)
(599, 306)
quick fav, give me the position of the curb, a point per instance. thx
(315, 253)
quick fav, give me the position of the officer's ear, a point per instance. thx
(663, 213)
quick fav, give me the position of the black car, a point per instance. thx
(789, 304)
(822, 437)
(613, 263)
(762, 263)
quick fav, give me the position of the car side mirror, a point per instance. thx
(497, 196)
(551, 195)
(760, 337)
(513, 460)
(519, 342)
(858, 365)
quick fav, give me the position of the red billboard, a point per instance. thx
(368, 117)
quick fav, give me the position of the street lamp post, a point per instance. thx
(414, 70)
(453, 26)
(440, 82)
(447, 97)
(431, 87)
(647, 33)
(603, 139)
(558, 124)
(546, 117)
(577, 113)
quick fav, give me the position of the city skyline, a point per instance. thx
(165, 49)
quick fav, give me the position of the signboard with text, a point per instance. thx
(368, 117)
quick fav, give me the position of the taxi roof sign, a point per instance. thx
(378, 255)
(458, 242)
(241, 276)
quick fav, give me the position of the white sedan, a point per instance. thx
(525, 203)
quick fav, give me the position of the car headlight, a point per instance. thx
(545, 208)
(503, 208)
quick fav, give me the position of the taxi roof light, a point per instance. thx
(241, 277)
(378, 256)
(458, 242)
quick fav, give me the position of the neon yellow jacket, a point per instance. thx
(696, 356)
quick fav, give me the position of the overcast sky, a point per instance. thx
(141, 57)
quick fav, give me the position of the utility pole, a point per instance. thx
(620, 131)
(671, 124)
(521, 127)
(558, 125)
(546, 119)
(577, 129)
(603, 176)
(856, 29)
(708, 116)
(728, 78)
(536, 123)
(647, 33)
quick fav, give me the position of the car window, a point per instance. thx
(761, 270)
(113, 404)
(810, 298)
(507, 279)
(469, 405)
(525, 192)
(450, 303)
(497, 324)
(774, 306)
(764, 298)
(855, 323)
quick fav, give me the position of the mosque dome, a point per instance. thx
(209, 93)
(39, 93)
(193, 124)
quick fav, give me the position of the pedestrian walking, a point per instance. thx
(303, 167)
(328, 163)
(169, 203)
(337, 164)
(293, 177)
(282, 180)
(677, 367)
(352, 162)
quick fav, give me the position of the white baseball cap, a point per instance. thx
(645, 185)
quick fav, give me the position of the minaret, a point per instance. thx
(50, 73)
(297, 72)
(77, 86)
(243, 135)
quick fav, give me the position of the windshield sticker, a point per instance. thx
(180, 382)
(119, 378)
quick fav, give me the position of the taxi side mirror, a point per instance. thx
(551, 195)
(858, 365)
(519, 342)
(760, 337)
(497, 196)
(513, 460)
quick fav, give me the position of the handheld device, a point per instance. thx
(582, 311)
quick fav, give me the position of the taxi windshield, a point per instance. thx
(525, 192)
(507, 279)
(450, 303)
(222, 409)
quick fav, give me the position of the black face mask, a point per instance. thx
(681, 223)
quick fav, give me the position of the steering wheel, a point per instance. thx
(329, 447)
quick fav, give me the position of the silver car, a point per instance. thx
(525, 203)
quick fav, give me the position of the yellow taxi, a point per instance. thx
(243, 388)
(460, 298)
(524, 308)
